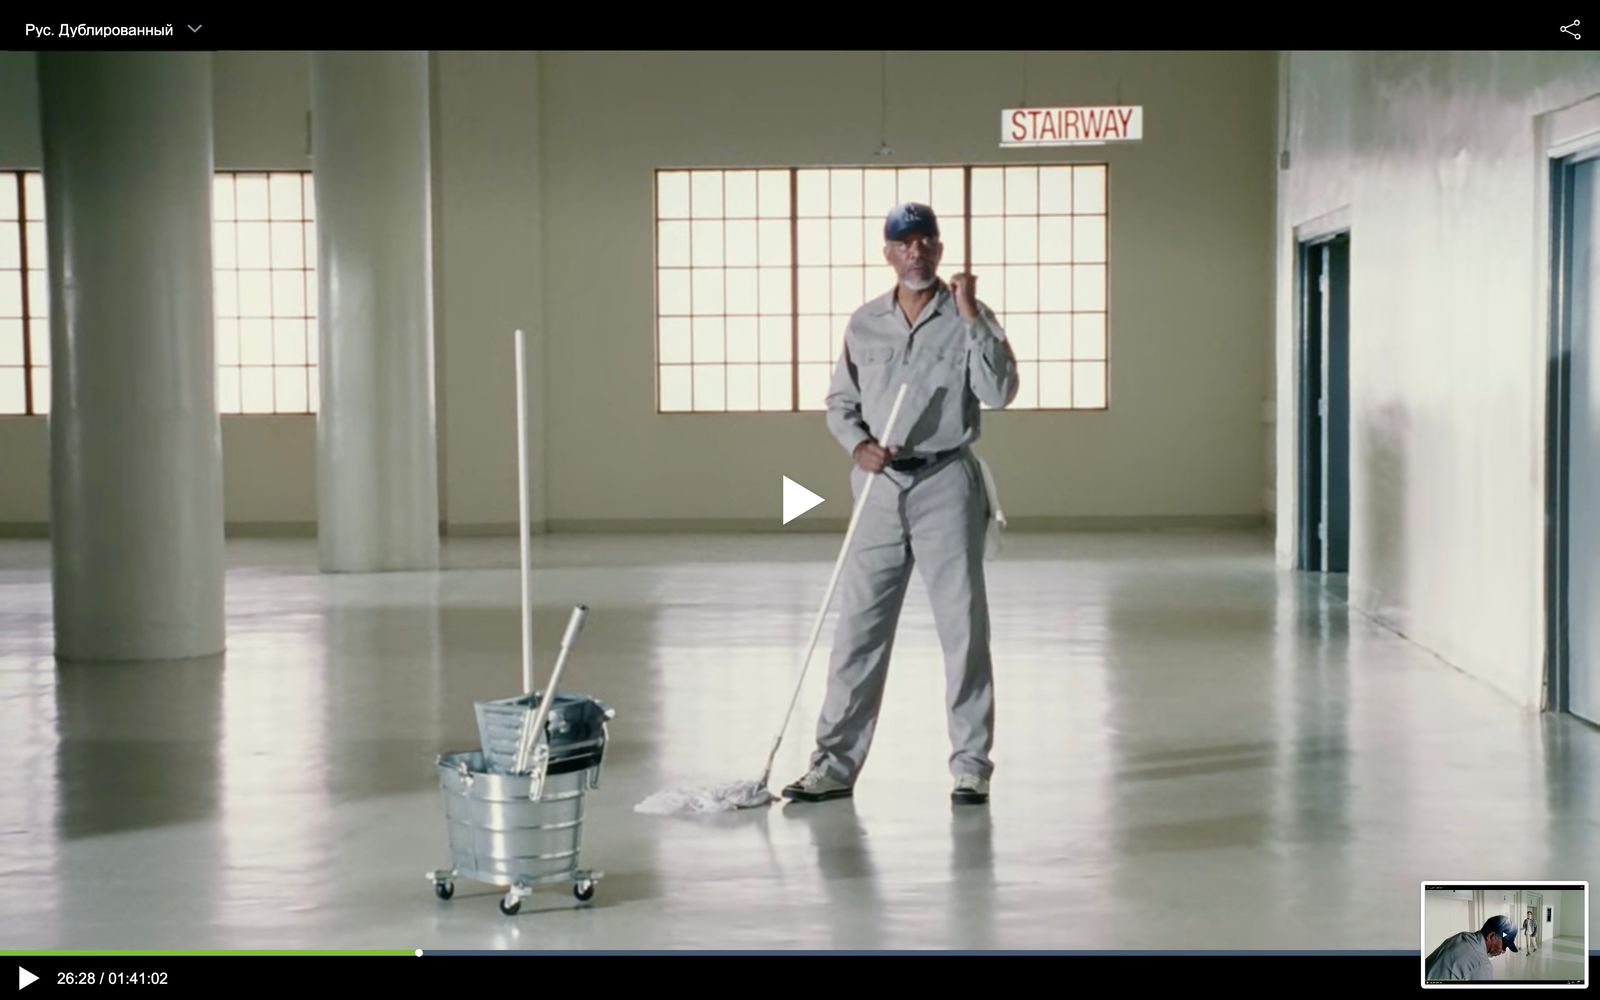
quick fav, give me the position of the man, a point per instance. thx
(1530, 932)
(1466, 955)
(931, 509)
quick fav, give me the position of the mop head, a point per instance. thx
(720, 798)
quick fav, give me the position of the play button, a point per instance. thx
(797, 499)
(25, 978)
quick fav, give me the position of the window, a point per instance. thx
(1039, 253)
(725, 289)
(758, 271)
(264, 251)
(24, 296)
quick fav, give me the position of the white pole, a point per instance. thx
(530, 736)
(833, 583)
(522, 507)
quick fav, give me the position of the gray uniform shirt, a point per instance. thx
(953, 365)
(1464, 956)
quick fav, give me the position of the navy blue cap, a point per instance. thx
(1502, 925)
(909, 218)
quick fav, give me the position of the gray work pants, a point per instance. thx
(933, 519)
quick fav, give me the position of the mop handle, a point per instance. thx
(530, 736)
(833, 582)
(522, 508)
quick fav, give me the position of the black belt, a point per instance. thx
(922, 461)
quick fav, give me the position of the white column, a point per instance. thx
(135, 443)
(377, 464)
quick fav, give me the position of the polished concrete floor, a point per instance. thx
(1195, 751)
(1560, 960)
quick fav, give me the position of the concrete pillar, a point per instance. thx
(135, 442)
(377, 463)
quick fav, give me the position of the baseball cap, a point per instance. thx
(1502, 925)
(909, 218)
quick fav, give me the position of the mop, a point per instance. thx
(754, 794)
(533, 726)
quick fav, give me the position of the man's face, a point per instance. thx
(915, 259)
(1496, 946)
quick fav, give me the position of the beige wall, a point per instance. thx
(544, 210)
(269, 462)
(1434, 156)
(489, 253)
(1190, 266)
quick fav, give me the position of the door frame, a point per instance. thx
(1557, 681)
(1310, 369)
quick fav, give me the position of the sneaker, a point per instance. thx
(817, 786)
(971, 790)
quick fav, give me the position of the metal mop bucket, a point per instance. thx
(523, 830)
(515, 808)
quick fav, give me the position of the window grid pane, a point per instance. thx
(1038, 248)
(723, 289)
(758, 271)
(24, 295)
(1052, 215)
(264, 257)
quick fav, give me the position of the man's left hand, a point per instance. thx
(965, 288)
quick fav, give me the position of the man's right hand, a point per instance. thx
(871, 457)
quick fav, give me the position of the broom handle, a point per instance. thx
(530, 736)
(833, 583)
(522, 507)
